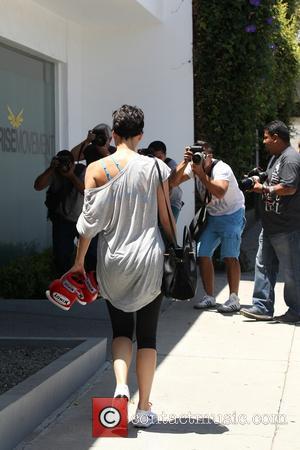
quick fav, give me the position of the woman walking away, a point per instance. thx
(123, 201)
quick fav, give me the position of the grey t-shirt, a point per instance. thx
(130, 248)
(282, 213)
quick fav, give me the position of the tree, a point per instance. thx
(246, 60)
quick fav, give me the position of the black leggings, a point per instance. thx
(145, 327)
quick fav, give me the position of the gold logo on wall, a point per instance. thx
(17, 120)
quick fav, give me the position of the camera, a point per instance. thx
(198, 153)
(249, 180)
(63, 162)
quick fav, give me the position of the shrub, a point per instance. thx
(27, 276)
(10, 250)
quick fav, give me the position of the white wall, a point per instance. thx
(150, 66)
(25, 24)
(147, 63)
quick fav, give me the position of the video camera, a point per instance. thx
(199, 154)
(249, 180)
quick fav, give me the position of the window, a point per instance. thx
(27, 144)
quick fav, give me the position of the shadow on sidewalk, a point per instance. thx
(178, 426)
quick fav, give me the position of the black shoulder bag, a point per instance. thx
(180, 269)
(198, 223)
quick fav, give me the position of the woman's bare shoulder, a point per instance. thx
(94, 175)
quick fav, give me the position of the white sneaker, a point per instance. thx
(207, 302)
(144, 419)
(122, 391)
(231, 305)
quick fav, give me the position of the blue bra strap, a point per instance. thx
(116, 163)
(108, 175)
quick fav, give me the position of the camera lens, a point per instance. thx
(197, 158)
(246, 184)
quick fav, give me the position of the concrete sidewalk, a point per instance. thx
(241, 376)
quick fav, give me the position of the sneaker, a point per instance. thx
(255, 313)
(288, 317)
(122, 391)
(207, 302)
(144, 419)
(231, 305)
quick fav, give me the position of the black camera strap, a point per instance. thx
(207, 195)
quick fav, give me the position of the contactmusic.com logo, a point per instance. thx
(110, 417)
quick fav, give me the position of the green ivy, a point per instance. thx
(246, 60)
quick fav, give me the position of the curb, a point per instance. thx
(26, 405)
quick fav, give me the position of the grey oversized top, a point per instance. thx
(130, 248)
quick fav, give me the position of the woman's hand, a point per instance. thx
(78, 268)
(82, 247)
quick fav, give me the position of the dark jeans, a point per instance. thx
(283, 248)
(63, 234)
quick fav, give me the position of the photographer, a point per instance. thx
(100, 137)
(64, 200)
(225, 222)
(279, 239)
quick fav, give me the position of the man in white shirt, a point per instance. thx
(226, 219)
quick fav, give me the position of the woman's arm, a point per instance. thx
(163, 200)
(83, 242)
(83, 245)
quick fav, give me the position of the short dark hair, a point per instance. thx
(66, 154)
(102, 128)
(158, 145)
(205, 144)
(279, 128)
(128, 121)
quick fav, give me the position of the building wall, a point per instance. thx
(99, 67)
